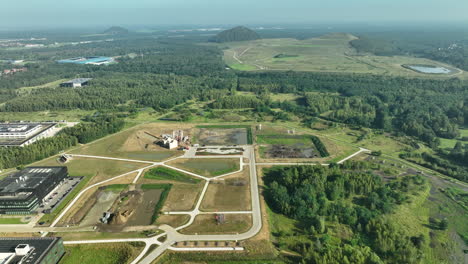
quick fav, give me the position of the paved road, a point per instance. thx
(70, 205)
(361, 150)
(174, 236)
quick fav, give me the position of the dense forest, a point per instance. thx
(426, 109)
(164, 73)
(344, 196)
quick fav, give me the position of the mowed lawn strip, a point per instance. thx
(11, 221)
(208, 167)
(163, 173)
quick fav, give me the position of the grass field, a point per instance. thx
(96, 235)
(172, 220)
(207, 167)
(163, 173)
(230, 194)
(450, 143)
(283, 139)
(329, 53)
(53, 84)
(11, 221)
(101, 253)
(206, 224)
(182, 197)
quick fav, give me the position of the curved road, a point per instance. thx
(172, 234)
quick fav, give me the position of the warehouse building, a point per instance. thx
(33, 250)
(22, 134)
(95, 60)
(80, 82)
(24, 191)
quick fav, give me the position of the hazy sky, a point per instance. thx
(24, 13)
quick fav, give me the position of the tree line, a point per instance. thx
(92, 129)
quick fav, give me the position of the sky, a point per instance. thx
(63, 13)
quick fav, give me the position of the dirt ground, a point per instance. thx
(182, 197)
(86, 200)
(136, 143)
(133, 208)
(142, 137)
(296, 151)
(173, 220)
(103, 201)
(231, 193)
(206, 224)
(222, 136)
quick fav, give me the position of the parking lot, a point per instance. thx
(53, 199)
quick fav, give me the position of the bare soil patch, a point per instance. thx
(222, 136)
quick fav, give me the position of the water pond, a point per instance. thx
(429, 69)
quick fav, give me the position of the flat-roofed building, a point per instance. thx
(79, 82)
(24, 191)
(31, 250)
(22, 134)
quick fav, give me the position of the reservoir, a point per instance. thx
(429, 69)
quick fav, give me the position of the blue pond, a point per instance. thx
(430, 69)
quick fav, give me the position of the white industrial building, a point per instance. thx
(22, 134)
(170, 142)
(79, 82)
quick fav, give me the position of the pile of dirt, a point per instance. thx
(124, 207)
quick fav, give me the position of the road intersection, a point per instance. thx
(171, 234)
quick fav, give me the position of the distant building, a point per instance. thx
(13, 61)
(169, 142)
(88, 60)
(22, 134)
(31, 250)
(24, 191)
(79, 82)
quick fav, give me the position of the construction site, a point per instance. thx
(113, 208)
(222, 136)
(296, 151)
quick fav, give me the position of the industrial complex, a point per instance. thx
(22, 134)
(95, 60)
(79, 82)
(24, 191)
(32, 250)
